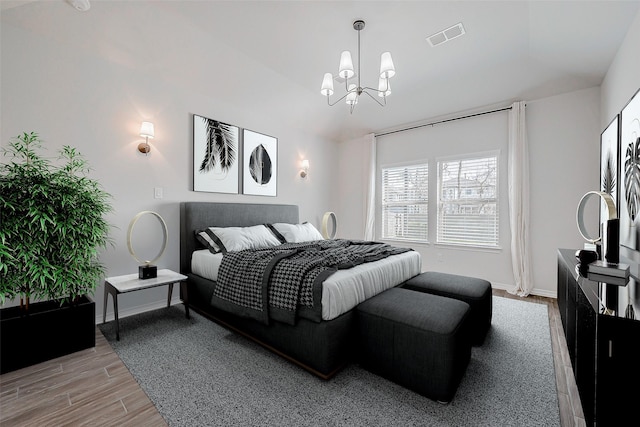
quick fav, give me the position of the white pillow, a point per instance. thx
(231, 239)
(296, 233)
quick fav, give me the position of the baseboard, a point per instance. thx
(135, 310)
(539, 292)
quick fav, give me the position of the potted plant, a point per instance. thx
(52, 226)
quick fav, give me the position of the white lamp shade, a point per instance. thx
(387, 70)
(327, 85)
(305, 164)
(146, 130)
(384, 88)
(346, 65)
(352, 97)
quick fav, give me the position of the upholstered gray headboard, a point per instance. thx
(199, 215)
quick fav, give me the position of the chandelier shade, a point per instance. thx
(346, 71)
(346, 65)
(352, 95)
(327, 85)
(384, 89)
(387, 70)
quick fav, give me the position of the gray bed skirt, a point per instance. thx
(321, 348)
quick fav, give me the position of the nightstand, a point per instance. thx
(131, 282)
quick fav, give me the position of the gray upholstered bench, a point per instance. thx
(417, 340)
(473, 291)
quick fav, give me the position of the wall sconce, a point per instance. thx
(146, 131)
(305, 168)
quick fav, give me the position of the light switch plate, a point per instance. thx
(157, 193)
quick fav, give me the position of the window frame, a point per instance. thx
(381, 207)
(498, 200)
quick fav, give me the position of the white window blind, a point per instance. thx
(405, 202)
(468, 201)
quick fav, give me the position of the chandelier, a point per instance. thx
(346, 71)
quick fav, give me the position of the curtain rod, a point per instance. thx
(442, 121)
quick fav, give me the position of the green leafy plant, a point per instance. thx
(52, 224)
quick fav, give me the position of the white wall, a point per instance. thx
(619, 85)
(564, 160)
(71, 95)
(564, 153)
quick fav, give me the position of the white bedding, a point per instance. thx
(344, 289)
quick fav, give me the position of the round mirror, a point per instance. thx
(329, 221)
(147, 226)
(610, 209)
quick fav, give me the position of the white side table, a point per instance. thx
(131, 283)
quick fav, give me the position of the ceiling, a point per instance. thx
(273, 54)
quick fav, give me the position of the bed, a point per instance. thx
(320, 342)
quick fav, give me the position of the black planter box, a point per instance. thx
(47, 332)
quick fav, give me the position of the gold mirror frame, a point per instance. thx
(611, 212)
(164, 237)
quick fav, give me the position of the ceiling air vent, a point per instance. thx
(446, 35)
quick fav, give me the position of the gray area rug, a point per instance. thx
(199, 374)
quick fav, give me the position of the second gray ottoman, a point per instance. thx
(475, 292)
(417, 340)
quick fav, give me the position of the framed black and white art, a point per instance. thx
(609, 181)
(630, 172)
(260, 164)
(215, 156)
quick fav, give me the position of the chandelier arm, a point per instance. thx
(364, 90)
(343, 97)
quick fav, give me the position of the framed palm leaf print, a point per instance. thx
(260, 164)
(215, 156)
(630, 163)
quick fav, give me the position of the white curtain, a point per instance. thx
(369, 149)
(518, 171)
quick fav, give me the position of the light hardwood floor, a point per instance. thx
(94, 388)
(89, 388)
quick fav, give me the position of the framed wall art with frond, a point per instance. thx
(630, 174)
(215, 156)
(609, 181)
(260, 164)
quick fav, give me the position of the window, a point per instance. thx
(404, 202)
(468, 200)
